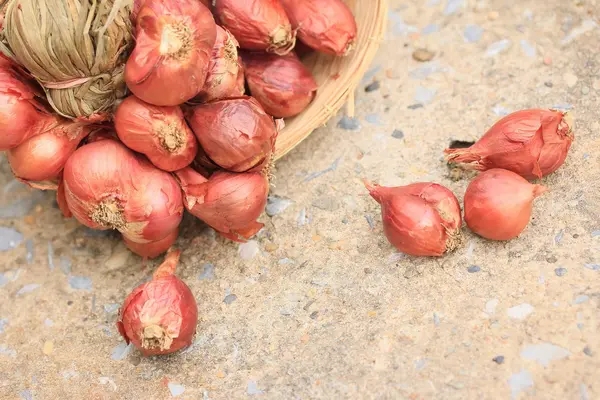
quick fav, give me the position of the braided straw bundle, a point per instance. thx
(76, 49)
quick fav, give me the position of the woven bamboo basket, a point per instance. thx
(337, 76)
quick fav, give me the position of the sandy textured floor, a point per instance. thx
(320, 306)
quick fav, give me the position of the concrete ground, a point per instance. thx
(320, 305)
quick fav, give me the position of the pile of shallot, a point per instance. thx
(184, 136)
(424, 219)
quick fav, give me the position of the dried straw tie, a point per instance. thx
(76, 49)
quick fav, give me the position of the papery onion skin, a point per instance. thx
(498, 204)
(39, 160)
(174, 42)
(236, 134)
(327, 26)
(281, 84)
(230, 203)
(532, 143)
(421, 219)
(257, 24)
(223, 70)
(160, 316)
(152, 249)
(21, 115)
(160, 133)
(107, 186)
(241, 80)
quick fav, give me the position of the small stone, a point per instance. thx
(48, 347)
(208, 272)
(493, 15)
(397, 134)
(26, 395)
(423, 55)
(544, 353)
(349, 124)
(527, 48)
(548, 84)
(570, 79)
(248, 250)
(585, 90)
(373, 86)
(80, 283)
(452, 6)
(28, 288)
(593, 267)
(429, 29)
(547, 60)
(560, 271)
(436, 319)
(176, 389)
(581, 299)
(497, 47)
(473, 268)
(521, 311)
(230, 298)
(276, 205)
(415, 106)
(473, 33)
(9, 238)
(424, 95)
(498, 359)
(490, 306)
(314, 315)
(120, 352)
(587, 351)
(519, 382)
(271, 247)
(253, 389)
(3, 323)
(551, 259)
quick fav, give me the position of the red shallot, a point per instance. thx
(39, 160)
(152, 249)
(327, 26)
(532, 143)
(223, 70)
(257, 24)
(160, 133)
(107, 186)
(174, 42)
(228, 202)
(282, 85)
(236, 134)
(421, 219)
(21, 114)
(160, 316)
(498, 204)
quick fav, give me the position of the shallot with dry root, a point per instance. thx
(160, 133)
(236, 134)
(230, 203)
(174, 43)
(498, 204)
(107, 186)
(421, 219)
(533, 143)
(160, 316)
(257, 24)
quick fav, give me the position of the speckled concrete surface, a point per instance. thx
(320, 306)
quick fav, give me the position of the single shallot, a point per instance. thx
(498, 204)
(160, 316)
(327, 26)
(421, 219)
(257, 24)
(228, 202)
(107, 186)
(160, 133)
(236, 134)
(223, 70)
(533, 143)
(39, 160)
(174, 43)
(281, 84)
